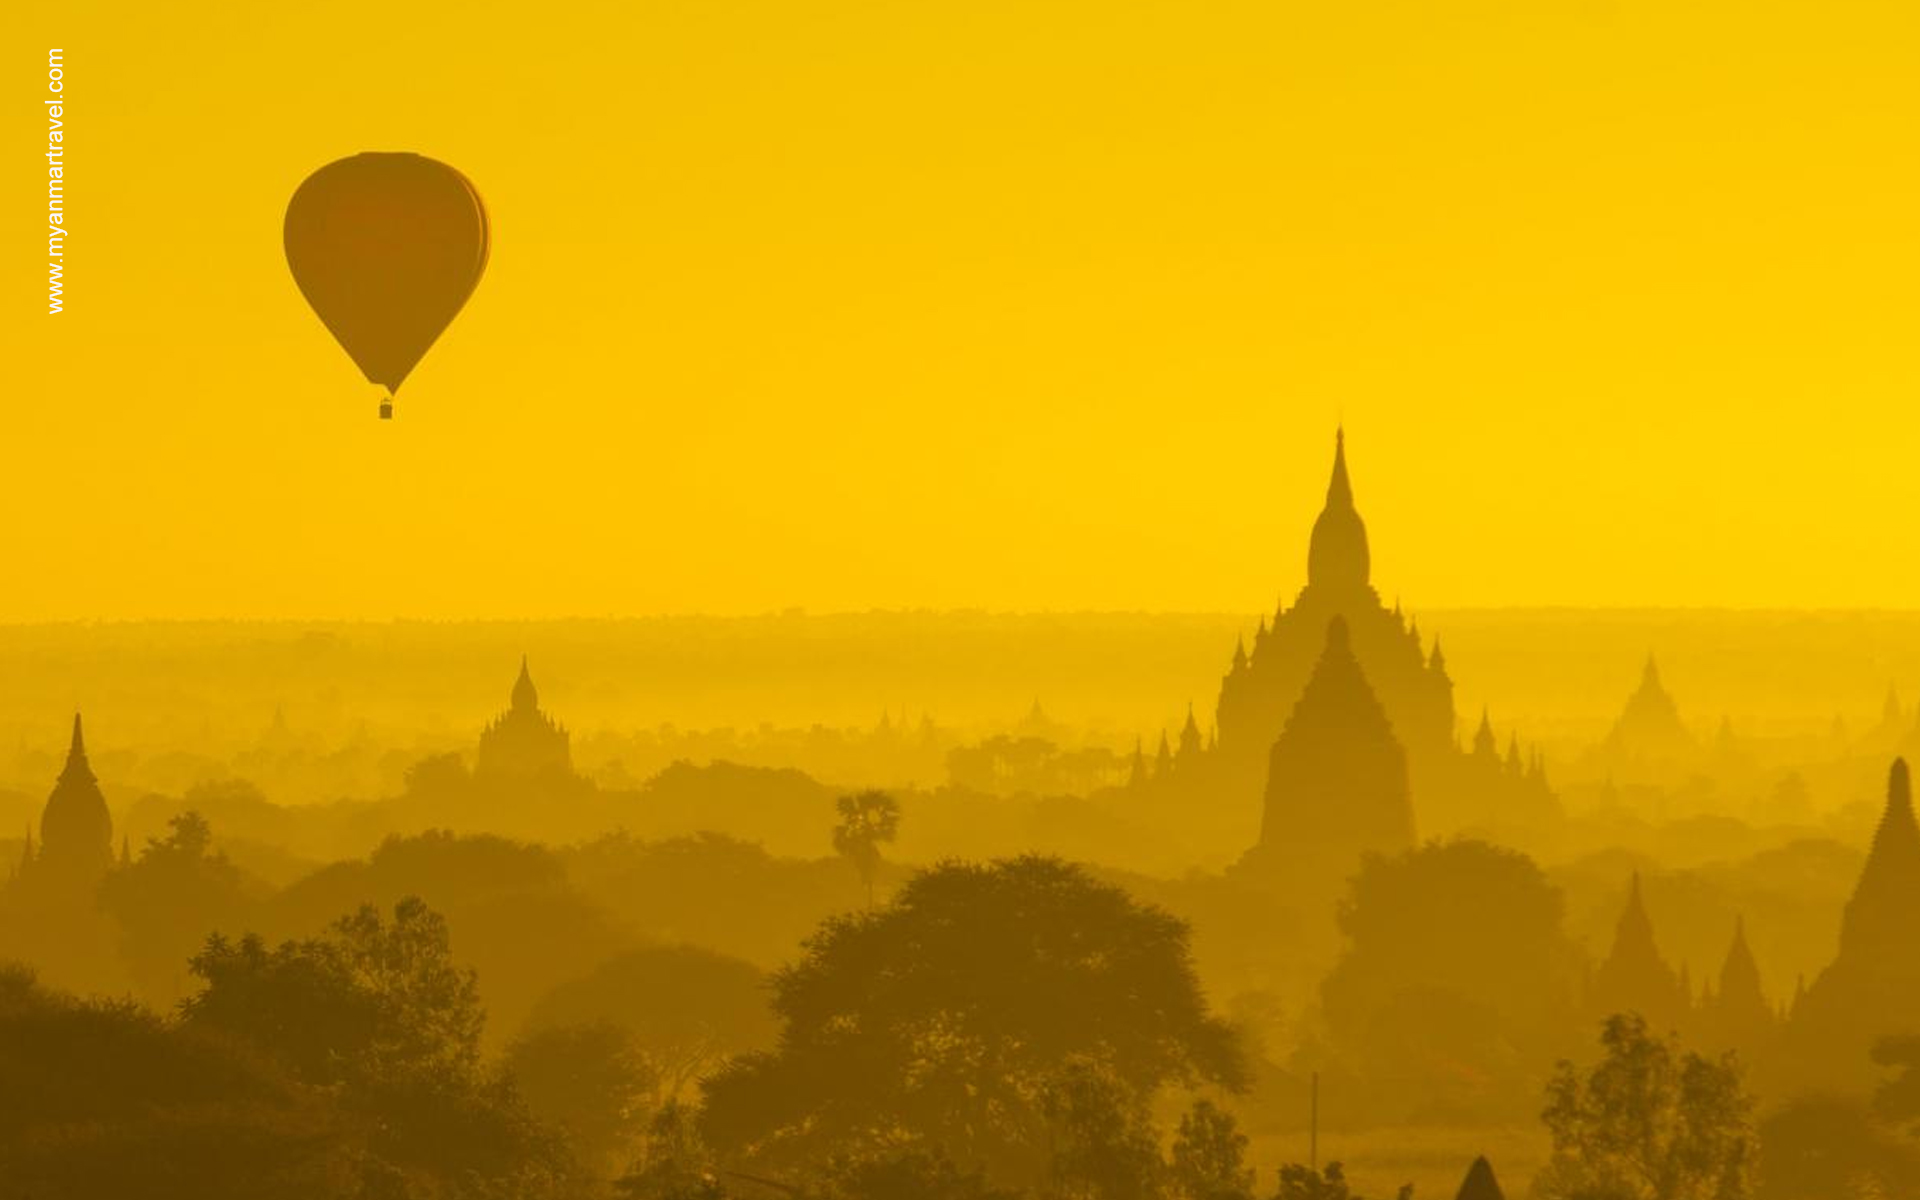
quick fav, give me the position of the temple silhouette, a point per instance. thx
(1480, 1183)
(1337, 785)
(1731, 1013)
(1261, 687)
(1379, 676)
(49, 907)
(1871, 989)
(523, 744)
(1649, 740)
(76, 831)
(1734, 1014)
(1635, 977)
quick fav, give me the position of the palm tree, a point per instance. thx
(868, 820)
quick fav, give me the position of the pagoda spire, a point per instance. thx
(1337, 555)
(1740, 974)
(1340, 488)
(1634, 978)
(77, 767)
(1885, 908)
(76, 830)
(1635, 917)
(1737, 1015)
(1483, 740)
(1480, 1183)
(1191, 743)
(525, 695)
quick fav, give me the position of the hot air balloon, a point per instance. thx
(386, 248)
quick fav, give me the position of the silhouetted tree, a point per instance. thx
(946, 1018)
(1828, 1146)
(438, 776)
(915, 1173)
(868, 820)
(589, 1081)
(507, 899)
(1304, 1183)
(165, 903)
(684, 1010)
(370, 999)
(1456, 980)
(103, 1098)
(1648, 1122)
(1208, 1161)
(676, 1164)
(1101, 1140)
(378, 1012)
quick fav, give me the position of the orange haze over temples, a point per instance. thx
(984, 304)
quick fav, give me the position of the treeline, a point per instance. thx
(1021, 1028)
(1013, 1029)
(996, 1030)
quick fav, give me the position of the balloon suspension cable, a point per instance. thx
(386, 408)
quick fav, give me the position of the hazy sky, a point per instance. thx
(1003, 304)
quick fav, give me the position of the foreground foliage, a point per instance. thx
(1648, 1122)
(1018, 1017)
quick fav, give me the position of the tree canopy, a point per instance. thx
(946, 1019)
(370, 997)
(1648, 1122)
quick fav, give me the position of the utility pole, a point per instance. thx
(1313, 1128)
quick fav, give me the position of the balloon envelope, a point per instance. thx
(386, 248)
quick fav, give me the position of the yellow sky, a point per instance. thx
(983, 303)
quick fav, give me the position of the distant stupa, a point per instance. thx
(1737, 1016)
(1480, 1183)
(76, 830)
(524, 743)
(1191, 746)
(1649, 730)
(1882, 919)
(1634, 978)
(1337, 777)
(1262, 686)
(1871, 989)
(1266, 679)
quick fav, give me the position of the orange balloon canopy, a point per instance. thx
(386, 248)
